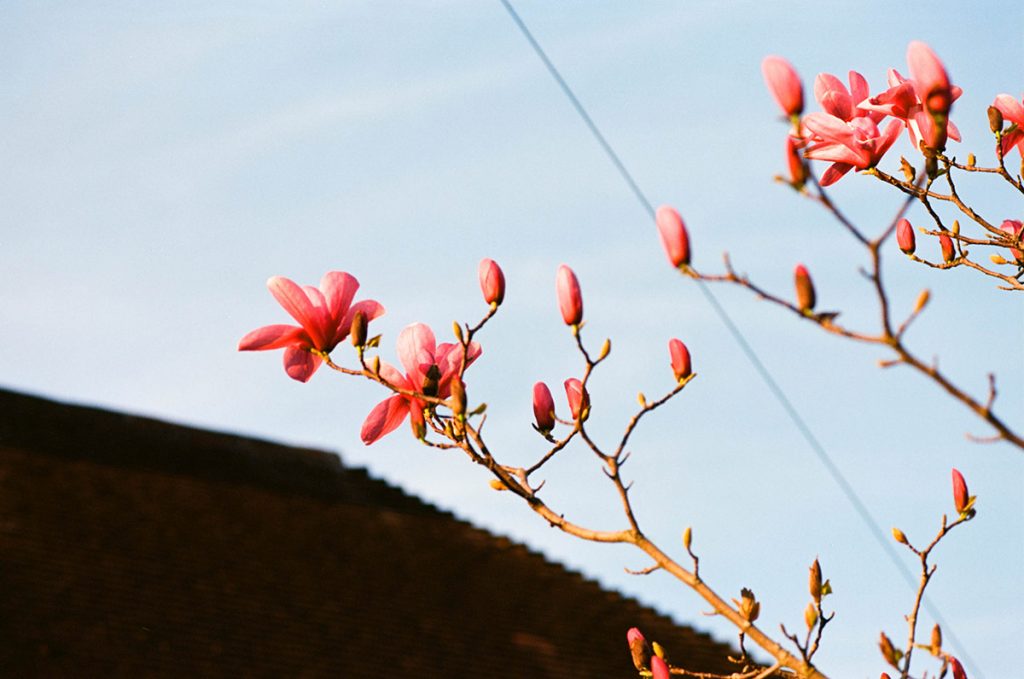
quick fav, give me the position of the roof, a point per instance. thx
(135, 547)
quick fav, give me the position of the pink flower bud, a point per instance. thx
(930, 79)
(1016, 230)
(958, 669)
(543, 408)
(948, 253)
(805, 298)
(784, 84)
(905, 236)
(492, 281)
(680, 359)
(638, 648)
(797, 168)
(570, 301)
(673, 235)
(659, 670)
(579, 400)
(960, 495)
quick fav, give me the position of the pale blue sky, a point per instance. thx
(160, 165)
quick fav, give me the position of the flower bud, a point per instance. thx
(958, 669)
(899, 536)
(804, 288)
(961, 498)
(922, 300)
(972, 160)
(948, 252)
(810, 615)
(498, 484)
(543, 408)
(687, 538)
(357, 331)
(570, 300)
(814, 582)
(605, 350)
(888, 651)
(659, 650)
(936, 642)
(457, 400)
(492, 282)
(784, 85)
(905, 237)
(419, 427)
(659, 669)
(579, 400)
(749, 608)
(673, 235)
(638, 648)
(995, 120)
(679, 357)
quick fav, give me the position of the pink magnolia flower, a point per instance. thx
(579, 400)
(840, 102)
(324, 315)
(848, 145)
(905, 236)
(492, 281)
(805, 297)
(915, 101)
(784, 84)
(673, 235)
(1015, 228)
(1013, 111)
(570, 300)
(961, 497)
(659, 670)
(543, 408)
(680, 359)
(429, 370)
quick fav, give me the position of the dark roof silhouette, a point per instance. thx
(134, 547)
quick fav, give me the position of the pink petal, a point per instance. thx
(1011, 109)
(393, 377)
(836, 153)
(297, 304)
(338, 289)
(273, 337)
(926, 70)
(832, 95)
(859, 90)
(1011, 139)
(416, 346)
(384, 418)
(830, 128)
(890, 135)
(300, 364)
(952, 131)
(834, 173)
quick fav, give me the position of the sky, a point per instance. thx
(162, 162)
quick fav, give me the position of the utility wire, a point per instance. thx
(794, 415)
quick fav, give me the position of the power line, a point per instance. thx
(794, 415)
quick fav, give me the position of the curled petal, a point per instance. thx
(833, 96)
(339, 288)
(384, 418)
(273, 337)
(1011, 109)
(834, 173)
(295, 301)
(416, 346)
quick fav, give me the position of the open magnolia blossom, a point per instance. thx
(324, 315)
(429, 370)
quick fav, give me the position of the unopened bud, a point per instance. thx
(749, 608)
(638, 648)
(641, 399)
(659, 668)
(805, 297)
(457, 330)
(457, 401)
(543, 408)
(659, 650)
(498, 484)
(955, 227)
(972, 160)
(430, 381)
(958, 669)
(605, 349)
(962, 499)
(936, 643)
(922, 300)
(948, 251)
(899, 536)
(419, 427)
(811, 615)
(357, 331)
(687, 538)
(679, 359)
(814, 582)
(492, 282)
(995, 120)
(998, 259)
(376, 365)
(888, 651)
(905, 236)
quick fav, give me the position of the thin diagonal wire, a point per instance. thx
(798, 421)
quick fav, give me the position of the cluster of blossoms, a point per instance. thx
(432, 371)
